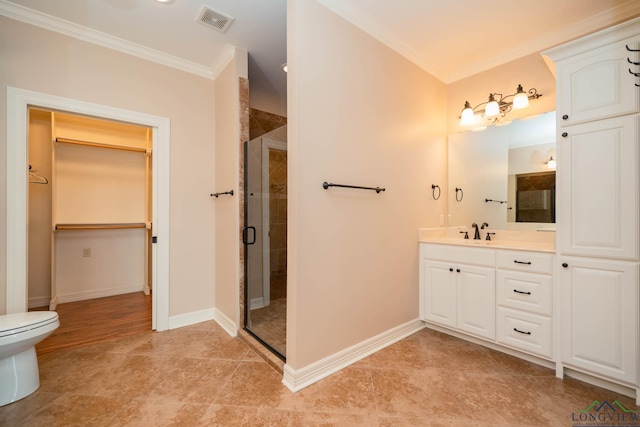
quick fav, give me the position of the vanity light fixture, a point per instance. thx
(497, 107)
(551, 163)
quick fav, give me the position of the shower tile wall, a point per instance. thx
(278, 222)
(262, 122)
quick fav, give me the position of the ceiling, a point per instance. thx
(449, 39)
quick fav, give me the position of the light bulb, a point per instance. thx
(521, 100)
(467, 118)
(551, 164)
(492, 109)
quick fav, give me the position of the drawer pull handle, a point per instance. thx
(521, 332)
(521, 292)
(522, 262)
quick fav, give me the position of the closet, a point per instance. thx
(100, 208)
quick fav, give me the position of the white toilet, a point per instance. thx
(19, 333)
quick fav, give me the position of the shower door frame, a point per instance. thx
(247, 300)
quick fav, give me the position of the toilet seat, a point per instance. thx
(15, 323)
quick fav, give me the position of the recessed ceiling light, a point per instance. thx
(164, 1)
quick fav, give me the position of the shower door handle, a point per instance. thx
(245, 235)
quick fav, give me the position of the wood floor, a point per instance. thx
(91, 321)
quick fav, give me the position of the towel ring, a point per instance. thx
(459, 190)
(433, 191)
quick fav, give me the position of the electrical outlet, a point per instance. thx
(86, 252)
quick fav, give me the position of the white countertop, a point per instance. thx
(537, 241)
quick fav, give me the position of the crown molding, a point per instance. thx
(51, 23)
(225, 57)
(364, 21)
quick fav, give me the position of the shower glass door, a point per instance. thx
(265, 240)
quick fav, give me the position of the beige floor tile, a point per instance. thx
(256, 384)
(76, 410)
(324, 419)
(199, 376)
(415, 393)
(191, 380)
(15, 413)
(219, 415)
(145, 414)
(347, 391)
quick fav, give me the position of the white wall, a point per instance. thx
(43, 61)
(358, 114)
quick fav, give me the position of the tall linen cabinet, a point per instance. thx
(598, 199)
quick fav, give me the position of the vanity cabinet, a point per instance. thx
(524, 294)
(600, 324)
(596, 83)
(458, 294)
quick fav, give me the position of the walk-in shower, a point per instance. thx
(265, 239)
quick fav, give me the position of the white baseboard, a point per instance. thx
(79, 296)
(39, 302)
(296, 380)
(192, 318)
(225, 323)
(256, 303)
(53, 304)
(602, 383)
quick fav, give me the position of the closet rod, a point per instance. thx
(101, 145)
(119, 226)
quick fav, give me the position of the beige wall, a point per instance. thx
(531, 71)
(358, 114)
(227, 169)
(43, 61)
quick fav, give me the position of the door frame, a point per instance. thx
(18, 103)
(267, 144)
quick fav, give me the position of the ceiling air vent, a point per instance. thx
(214, 19)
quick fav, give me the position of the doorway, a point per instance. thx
(18, 102)
(89, 227)
(265, 239)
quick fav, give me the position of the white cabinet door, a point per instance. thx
(476, 303)
(598, 189)
(439, 292)
(597, 84)
(600, 327)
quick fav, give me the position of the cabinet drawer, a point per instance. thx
(531, 292)
(525, 331)
(459, 254)
(534, 262)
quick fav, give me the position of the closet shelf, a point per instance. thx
(102, 145)
(116, 226)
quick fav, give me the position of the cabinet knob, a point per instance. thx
(565, 265)
(451, 269)
(457, 270)
(565, 117)
(564, 134)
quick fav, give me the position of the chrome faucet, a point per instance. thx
(476, 235)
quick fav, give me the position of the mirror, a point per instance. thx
(502, 175)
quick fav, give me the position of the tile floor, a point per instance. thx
(199, 376)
